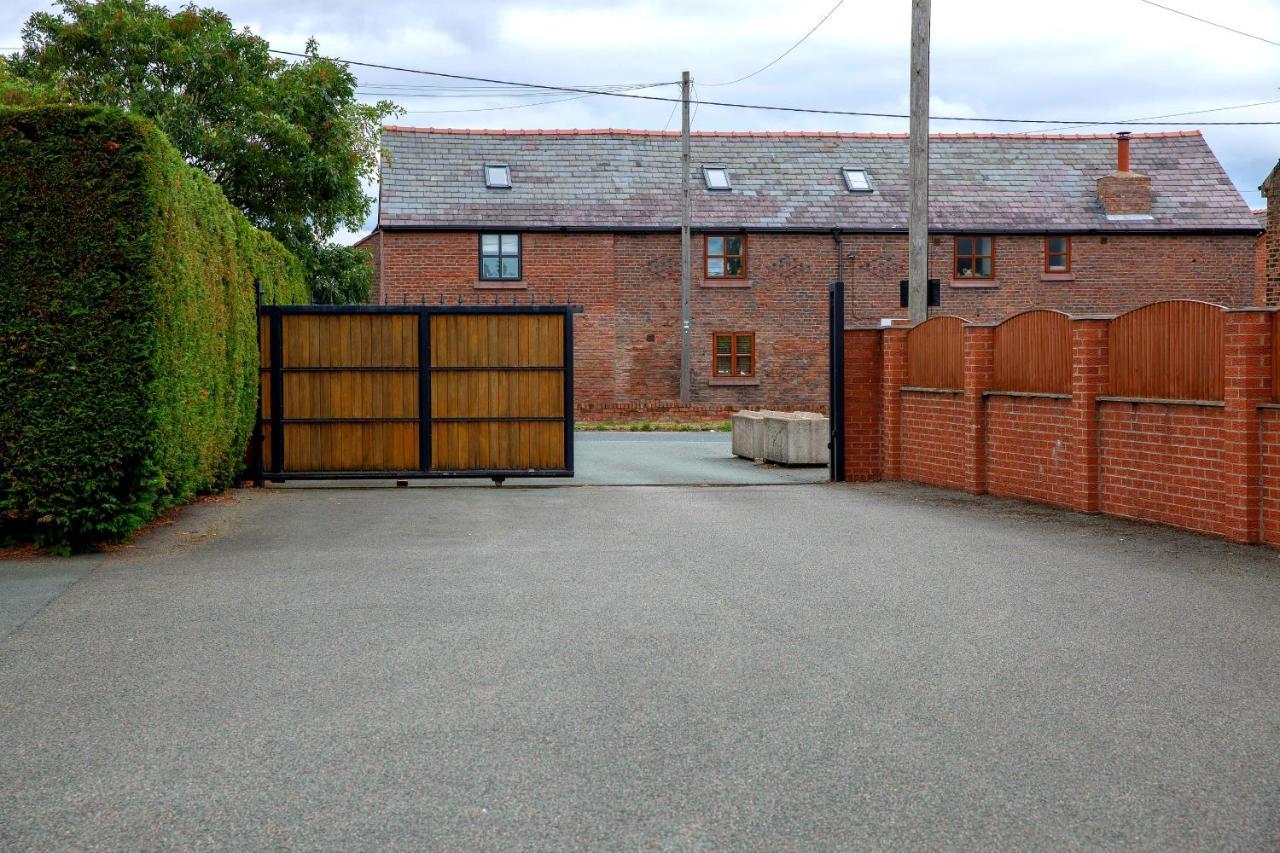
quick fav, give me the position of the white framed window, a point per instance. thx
(857, 181)
(497, 176)
(716, 178)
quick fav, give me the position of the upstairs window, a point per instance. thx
(733, 355)
(726, 255)
(716, 177)
(975, 257)
(499, 257)
(497, 176)
(857, 181)
(1057, 254)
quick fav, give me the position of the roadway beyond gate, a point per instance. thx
(415, 391)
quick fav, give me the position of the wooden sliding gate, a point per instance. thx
(415, 391)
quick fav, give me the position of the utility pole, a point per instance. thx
(918, 223)
(685, 213)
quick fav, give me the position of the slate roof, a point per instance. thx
(620, 179)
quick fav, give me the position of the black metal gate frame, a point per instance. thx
(274, 315)
(835, 375)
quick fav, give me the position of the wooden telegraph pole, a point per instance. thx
(685, 272)
(918, 223)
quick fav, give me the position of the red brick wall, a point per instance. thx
(627, 339)
(1111, 273)
(1030, 450)
(1212, 468)
(862, 403)
(1270, 476)
(933, 429)
(1162, 463)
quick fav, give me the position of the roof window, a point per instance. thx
(857, 181)
(497, 176)
(716, 177)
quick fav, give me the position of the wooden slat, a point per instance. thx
(935, 357)
(1032, 352)
(1168, 350)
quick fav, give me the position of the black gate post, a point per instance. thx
(277, 391)
(258, 481)
(568, 388)
(424, 389)
(835, 351)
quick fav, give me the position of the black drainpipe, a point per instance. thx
(839, 238)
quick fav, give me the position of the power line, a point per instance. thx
(767, 107)
(1210, 23)
(783, 55)
(1173, 115)
(513, 106)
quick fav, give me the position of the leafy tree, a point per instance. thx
(288, 142)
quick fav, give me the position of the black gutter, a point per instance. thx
(731, 229)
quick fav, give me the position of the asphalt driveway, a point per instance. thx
(796, 667)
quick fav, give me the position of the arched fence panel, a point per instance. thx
(1168, 351)
(1032, 353)
(935, 353)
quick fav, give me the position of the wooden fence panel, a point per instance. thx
(1168, 351)
(497, 391)
(1032, 353)
(935, 353)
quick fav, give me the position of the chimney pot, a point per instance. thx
(1122, 151)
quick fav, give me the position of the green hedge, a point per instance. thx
(128, 356)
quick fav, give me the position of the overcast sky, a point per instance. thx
(1089, 59)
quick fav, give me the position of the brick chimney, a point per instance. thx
(1271, 191)
(1124, 193)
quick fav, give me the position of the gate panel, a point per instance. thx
(416, 391)
(498, 391)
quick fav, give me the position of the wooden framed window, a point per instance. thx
(975, 257)
(733, 355)
(1057, 254)
(500, 257)
(725, 255)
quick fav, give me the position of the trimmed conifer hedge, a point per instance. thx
(128, 355)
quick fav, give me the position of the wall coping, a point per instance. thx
(1213, 404)
(1052, 395)
(921, 390)
(1264, 309)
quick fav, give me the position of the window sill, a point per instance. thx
(1057, 276)
(725, 284)
(976, 284)
(733, 380)
(501, 285)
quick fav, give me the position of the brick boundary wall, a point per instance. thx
(1210, 466)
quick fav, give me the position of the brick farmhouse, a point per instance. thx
(592, 217)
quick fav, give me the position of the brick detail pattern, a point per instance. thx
(1271, 252)
(627, 338)
(1162, 463)
(1208, 467)
(934, 426)
(1123, 193)
(862, 405)
(1030, 452)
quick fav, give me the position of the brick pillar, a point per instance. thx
(978, 349)
(1271, 250)
(893, 375)
(862, 401)
(1246, 360)
(1089, 380)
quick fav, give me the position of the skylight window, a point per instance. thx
(858, 181)
(716, 177)
(497, 176)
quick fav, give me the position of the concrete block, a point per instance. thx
(796, 438)
(748, 433)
